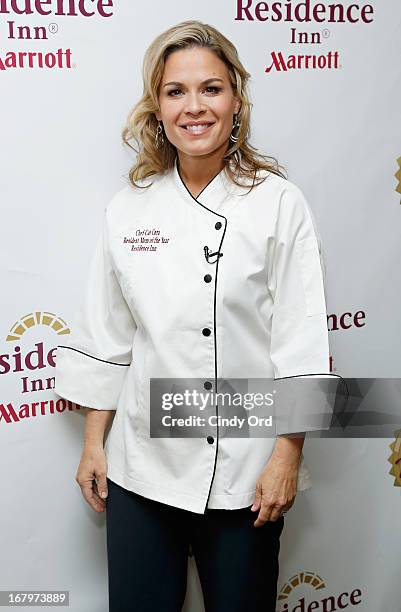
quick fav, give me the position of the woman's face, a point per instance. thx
(195, 89)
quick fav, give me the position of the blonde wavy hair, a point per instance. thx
(242, 160)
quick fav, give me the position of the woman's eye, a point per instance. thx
(215, 89)
(210, 89)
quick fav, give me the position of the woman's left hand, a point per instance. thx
(276, 489)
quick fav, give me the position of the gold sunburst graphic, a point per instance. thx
(398, 176)
(37, 318)
(311, 578)
(395, 459)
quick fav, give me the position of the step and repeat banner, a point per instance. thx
(325, 88)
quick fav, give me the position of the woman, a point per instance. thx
(207, 266)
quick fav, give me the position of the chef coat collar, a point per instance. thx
(212, 195)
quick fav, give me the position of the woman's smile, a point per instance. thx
(197, 129)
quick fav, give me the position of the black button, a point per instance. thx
(208, 385)
(206, 331)
(218, 225)
(210, 439)
(207, 278)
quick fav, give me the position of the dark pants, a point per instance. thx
(147, 549)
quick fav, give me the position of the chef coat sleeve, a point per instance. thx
(93, 361)
(299, 334)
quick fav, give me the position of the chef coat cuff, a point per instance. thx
(87, 380)
(305, 403)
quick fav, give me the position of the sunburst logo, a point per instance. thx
(395, 458)
(310, 578)
(398, 176)
(18, 329)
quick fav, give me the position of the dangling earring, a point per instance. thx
(237, 124)
(159, 138)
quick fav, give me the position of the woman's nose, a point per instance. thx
(193, 103)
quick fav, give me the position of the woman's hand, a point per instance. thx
(276, 488)
(91, 477)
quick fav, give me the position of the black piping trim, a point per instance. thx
(214, 311)
(311, 374)
(319, 374)
(97, 358)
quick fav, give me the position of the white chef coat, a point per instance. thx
(145, 310)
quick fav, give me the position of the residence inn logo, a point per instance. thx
(311, 598)
(37, 21)
(310, 26)
(29, 365)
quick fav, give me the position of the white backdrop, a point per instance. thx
(337, 131)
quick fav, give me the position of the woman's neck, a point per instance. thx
(197, 171)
